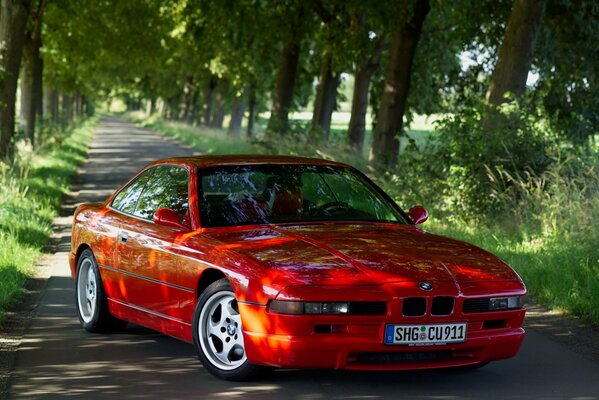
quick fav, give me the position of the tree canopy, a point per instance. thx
(199, 60)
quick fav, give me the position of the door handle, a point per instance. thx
(124, 236)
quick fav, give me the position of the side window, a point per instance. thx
(127, 198)
(168, 188)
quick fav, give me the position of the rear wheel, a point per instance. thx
(92, 304)
(218, 335)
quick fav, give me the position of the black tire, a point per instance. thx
(218, 302)
(90, 298)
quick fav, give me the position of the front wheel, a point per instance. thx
(218, 335)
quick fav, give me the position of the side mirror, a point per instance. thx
(418, 214)
(168, 217)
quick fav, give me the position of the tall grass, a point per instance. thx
(32, 189)
(550, 236)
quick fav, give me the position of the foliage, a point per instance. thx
(32, 190)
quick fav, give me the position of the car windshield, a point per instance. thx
(257, 194)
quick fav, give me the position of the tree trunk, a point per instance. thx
(252, 102)
(51, 107)
(365, 68)
(67, 111)
(88, 106)
(515, 57)
(152, 106)
(237, 112)
(79, 104)
(38, 84)
(27, 113)
(187, 98)
(209, 99)
(32, 85)
(359, 106)
(13, 21)
(218, 109)
(193, 108)
(282, 95)
(326, 100)
(385, 144)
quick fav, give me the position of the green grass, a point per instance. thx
(561, 270)
(560, 274)
(31, 192)
(209, 141)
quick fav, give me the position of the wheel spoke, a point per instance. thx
(213, 328)
(221, 335)
(225, 355)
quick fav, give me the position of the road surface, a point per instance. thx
(58, 360)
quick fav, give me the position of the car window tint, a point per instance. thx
(240, 195)
(168, 188)
(315, 189)
(350, 190)
(126, 200)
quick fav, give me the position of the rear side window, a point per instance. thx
(126, 200)
(168, 188)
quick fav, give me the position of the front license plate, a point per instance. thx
(425, 334)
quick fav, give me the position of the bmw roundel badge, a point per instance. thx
(425, 286)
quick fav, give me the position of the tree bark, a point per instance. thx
(237, 112)
(67, 111)
(385, 144)
(252, 103)
(51, 107)
(27, 114)
(515, 57)
(325, 101)
(194, 106)
(33, 71)
(285, 84)
(209, 99)
(187, 98)
(218, 110)
(365, 68)
(357, 123)
(152, 106)
(13, 21)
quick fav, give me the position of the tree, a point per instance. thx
(515, 57)
(282, 95)
(13, 21)
(31, 80)
(565, 60)
(333, 20)
(367, 62)
(385, 145)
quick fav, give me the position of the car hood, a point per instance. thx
(333, 253)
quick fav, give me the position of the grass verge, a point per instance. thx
(32, 191)
(560, 270)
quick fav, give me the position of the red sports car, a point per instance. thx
(288, 262)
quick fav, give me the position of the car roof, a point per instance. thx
(206, 161)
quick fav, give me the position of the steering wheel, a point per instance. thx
(330, 207)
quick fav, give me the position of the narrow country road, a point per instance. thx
(58, 360)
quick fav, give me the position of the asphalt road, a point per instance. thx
(58, 360)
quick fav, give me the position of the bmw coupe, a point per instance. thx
(285, 262)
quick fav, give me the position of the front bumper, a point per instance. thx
(356, 342)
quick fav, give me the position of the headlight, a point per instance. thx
(299, 307)
(505, 303)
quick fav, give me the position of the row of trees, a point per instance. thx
(203, 59)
